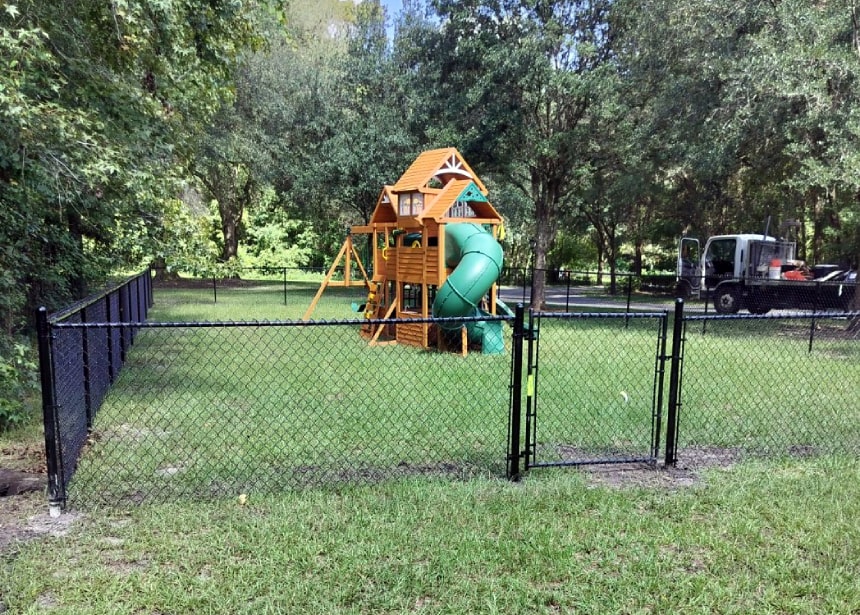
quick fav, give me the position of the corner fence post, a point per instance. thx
(56, 487)
(674, 382)
(515, 420)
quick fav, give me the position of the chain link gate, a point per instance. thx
(594, 388)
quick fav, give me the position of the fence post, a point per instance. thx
(515, 420)
(567, 294)
(109, 317)
(531, 386)
(85, 348)
(56, 488)
(661, 370)
(123, 317)
(148, 289)
(674, 382)
(285, 285)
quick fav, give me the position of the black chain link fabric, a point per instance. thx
(770, 385)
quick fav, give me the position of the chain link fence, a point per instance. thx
(769, 385)
(595, 388)
(139, 411)
(213, 409)
(79, 364)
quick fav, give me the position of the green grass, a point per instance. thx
(256, 299)
(759, 386)
(746, 541)
(208, 412)
(757, 537)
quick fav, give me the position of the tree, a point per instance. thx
(96, 110)
(754, 107)
(371, 145)
(516, 80)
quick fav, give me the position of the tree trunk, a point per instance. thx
(162, 273)
(230, 232)
(637, 257)
(545, 198)
(612, 257)
(77, 280)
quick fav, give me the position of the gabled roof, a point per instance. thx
(460, 190)
(386, 210)
(444, 164)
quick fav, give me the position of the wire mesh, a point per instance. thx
(211, 409)
(596, 383)
(763, 295)
(82, 363)
(770, 385)
(153, 411)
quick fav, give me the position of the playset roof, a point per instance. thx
(445, 163)
(385, 208)
(460, 190)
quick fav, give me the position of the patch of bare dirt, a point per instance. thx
(24, 511)
(26, 457)
(687, 473)
(25, 517)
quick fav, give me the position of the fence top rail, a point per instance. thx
(606, 272)
(793, 315)
(280, 323)
(55, 318)
(601, 315)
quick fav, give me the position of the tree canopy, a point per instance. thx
(202, 131)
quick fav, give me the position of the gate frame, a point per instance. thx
(532, 334)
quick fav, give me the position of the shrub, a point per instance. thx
(18, 382)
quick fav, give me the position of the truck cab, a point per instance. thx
(729, 266)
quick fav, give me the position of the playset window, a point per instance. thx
(411, 204)
(411, 298)
(461, 209)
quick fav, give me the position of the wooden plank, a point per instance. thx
(326, 280)
(388, 314)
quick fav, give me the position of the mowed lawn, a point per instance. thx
(762, 537)
(756, 538)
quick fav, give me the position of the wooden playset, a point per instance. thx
(435, 254)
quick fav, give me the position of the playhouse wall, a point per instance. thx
(410, 265)
(412, 334)
(391, 265)
(418, 265)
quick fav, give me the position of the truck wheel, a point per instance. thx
(727, 300)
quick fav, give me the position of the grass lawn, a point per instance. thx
(757, 538)
(754, 537)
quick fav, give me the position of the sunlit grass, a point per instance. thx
(745, 541)
(218, 410)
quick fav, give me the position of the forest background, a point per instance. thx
(206, 135)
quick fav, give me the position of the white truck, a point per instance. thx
(759, 273)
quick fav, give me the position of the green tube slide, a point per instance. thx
(477, 261)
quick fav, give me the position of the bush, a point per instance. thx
(18, 382)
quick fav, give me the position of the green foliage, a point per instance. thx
(18, 382)
(272, 239)
(749, 111)
(97, 104)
